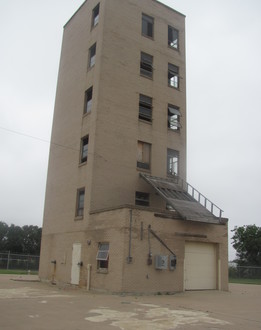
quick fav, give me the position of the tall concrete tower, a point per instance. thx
(119, 214)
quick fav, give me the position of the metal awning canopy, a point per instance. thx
(187, 207)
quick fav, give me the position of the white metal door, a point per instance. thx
(76, 259)
(200, 266)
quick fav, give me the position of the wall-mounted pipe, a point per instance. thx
(149, 261)
(89, 266)
(141, 230)
(129, 258)
(54, 271)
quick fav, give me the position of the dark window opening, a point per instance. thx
(145, 108)
(173, 117)
(173, 37)
(172, 162)
(146, 62)
(84, 149)
(95, 15)
(88, 100)
(80, 202)
(142, 198)
(147, 25)
(143, 155)
(169, 207)
(173, 75)
(92, 54)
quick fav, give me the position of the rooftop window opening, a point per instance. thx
(84, 149)
(173, 75)
(174, 118)
(147, 26)
(172, 162)
(145, 108)
(143, 155)
(88, 100)
(95, 15)
(146, 68)
(92, 54)
(173, 37)
(142, 199)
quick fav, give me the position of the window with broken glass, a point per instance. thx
(147, 25)
(84, 149)
(173, 75)
(143, 155)
(174, 118)
(145, 108)
(88, 100)
(95, 15)
(146, 62)
(92, 54)
(172, 162)
(80, 202)
(173, 37)
(103, 256)
(142, 198)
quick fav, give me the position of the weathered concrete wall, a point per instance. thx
(113, 227)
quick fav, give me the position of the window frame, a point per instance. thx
(84, 149)
(147, 26)
(79, 212)
(145, 104)
(146, 65)
(174, 123)
(172, 166)
(92, 56)
(88, 100)
(173, 72)
(95, 16)
(143, 155)
(171, 41)
(102, 256)
(142, 198)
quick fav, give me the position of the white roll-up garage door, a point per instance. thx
(200, 267)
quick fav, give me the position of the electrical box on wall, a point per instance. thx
(161, 262)
(172, 262)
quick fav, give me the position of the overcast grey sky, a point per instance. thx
(223, 102)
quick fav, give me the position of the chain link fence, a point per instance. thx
(244, 272)
(15, 261)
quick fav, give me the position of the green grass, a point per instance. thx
(245, 281)
(17, 272)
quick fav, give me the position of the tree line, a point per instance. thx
(16, 239)
(247, 243)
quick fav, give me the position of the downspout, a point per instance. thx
(129, 258)
(89, 266)
(54, 271)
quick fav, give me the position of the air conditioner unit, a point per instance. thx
(161, 262)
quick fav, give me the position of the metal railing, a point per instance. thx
(197, 196)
